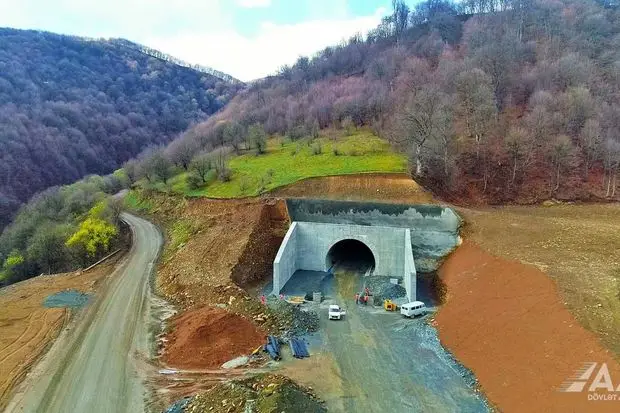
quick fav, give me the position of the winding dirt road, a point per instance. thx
(93, 367)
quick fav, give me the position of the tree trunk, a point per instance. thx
(477, 147)
(514, 171)
(557, 178)
(418, 161)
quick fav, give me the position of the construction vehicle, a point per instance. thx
(389, 305)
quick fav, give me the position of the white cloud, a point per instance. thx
(251, 4)
(273, 46)
(197, 31)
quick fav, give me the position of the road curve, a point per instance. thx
(94, 369)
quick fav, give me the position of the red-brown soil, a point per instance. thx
(505, 321)
(208, 337)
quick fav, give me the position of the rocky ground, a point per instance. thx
(262, 393)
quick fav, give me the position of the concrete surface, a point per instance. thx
(307, 245)
(93, 367)
(434, 229)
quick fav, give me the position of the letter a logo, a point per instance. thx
(578, 381)
(602, 380)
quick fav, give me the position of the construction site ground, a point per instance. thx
(27, 328)
(373, 360)
(575, 246)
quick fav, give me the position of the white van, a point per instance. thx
(413, 309)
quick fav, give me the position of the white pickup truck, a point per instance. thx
(335, 312)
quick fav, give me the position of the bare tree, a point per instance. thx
(476, 104)
(611, 163)
(590, 144)
(561, 152)
(132, 170)
(181, 152)
(521, 148)
(425, 117)
(400, 18)
(201, 165)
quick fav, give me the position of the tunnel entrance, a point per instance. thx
(350, 254)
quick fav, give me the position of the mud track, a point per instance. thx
(93, 368)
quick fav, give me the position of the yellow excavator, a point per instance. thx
(389, 305)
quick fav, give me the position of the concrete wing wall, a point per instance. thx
(410, 277)
(285, 263)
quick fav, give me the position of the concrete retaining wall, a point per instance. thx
(285, 263)
(410, 277)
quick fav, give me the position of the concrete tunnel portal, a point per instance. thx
(350, 254)
(396, 240)
(317, 246)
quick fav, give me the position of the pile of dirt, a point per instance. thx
(209, 337)
(382, 289)
(292, 319)
(261, 394)
(511, 313)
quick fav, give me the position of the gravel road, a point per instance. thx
(94, 367)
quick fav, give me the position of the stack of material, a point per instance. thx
(298, 348)
(273, 347)
(382, 289)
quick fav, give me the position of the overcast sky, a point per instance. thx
(247, 39)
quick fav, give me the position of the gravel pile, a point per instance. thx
(292, 318)
(382, 289)
(260, 394)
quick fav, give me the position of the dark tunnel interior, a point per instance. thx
(350, 254)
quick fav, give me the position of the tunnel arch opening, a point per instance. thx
(350, 254)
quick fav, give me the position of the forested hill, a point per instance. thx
(494, 100)
(71, 107)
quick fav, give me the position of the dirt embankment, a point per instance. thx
(576, 245)
(27, 329)
(505, 321)
(208, 337)
(398, 188)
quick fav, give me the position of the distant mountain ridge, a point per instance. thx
(168, 58)
(72, 106)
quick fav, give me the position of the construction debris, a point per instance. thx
(263, 393)
(292, 319)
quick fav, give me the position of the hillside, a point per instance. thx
(71, 106)
(493, 101)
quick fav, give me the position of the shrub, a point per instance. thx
(244, 184)
(317, 148)
(194, 181)
(336, 151)
(224, 174)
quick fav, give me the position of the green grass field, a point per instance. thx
(288, 162)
